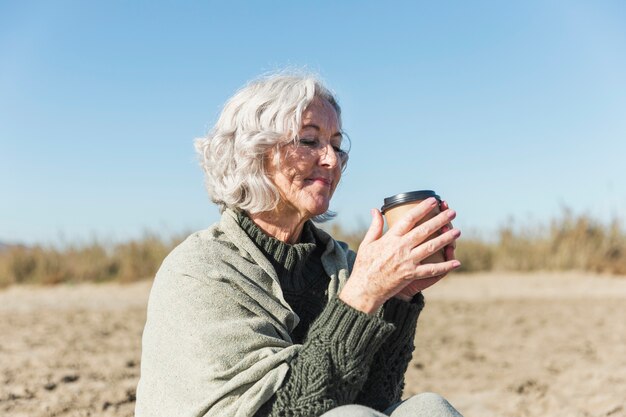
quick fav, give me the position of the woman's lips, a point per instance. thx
(321, 180)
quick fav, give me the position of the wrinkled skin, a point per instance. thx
(306, 174)
(389, 265)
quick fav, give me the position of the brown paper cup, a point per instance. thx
(396, 206)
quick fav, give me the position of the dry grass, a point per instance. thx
(93, 262)
(569, 242)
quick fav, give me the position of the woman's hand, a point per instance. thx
(386, 264)
(416, 286)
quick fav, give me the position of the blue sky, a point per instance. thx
(510, 110)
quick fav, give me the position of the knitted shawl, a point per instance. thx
(194, 364)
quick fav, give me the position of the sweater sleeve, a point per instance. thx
(333, 364)
(385, 381)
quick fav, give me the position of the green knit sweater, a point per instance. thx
(330, 370)
(221, 339)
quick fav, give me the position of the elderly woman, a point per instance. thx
(264, 314)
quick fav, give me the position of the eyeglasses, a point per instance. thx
(317, 145)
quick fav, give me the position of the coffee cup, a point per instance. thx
(396, 206)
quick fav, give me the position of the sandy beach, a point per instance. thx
(497, 344)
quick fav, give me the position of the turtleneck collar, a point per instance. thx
(298, 266)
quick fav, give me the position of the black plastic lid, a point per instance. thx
(402, 198)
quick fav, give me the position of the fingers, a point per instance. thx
(443, 206)
(416, 286)
(417, 213)
(438, 223)
(390, 265)
(431, 246)
(436, 270)
(448, 252)
(375, 230)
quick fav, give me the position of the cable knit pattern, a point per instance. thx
(222, 340)
(340, 362)
(385, 383)
(333, 364)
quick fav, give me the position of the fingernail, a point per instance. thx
(451, 213)
(456, 264)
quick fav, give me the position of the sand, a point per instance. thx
(493, 344)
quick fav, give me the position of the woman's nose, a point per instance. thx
(329, 156)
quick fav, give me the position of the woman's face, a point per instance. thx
(309, 170)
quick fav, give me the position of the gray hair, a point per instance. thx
(260, 117)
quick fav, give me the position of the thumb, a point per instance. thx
(375, 230)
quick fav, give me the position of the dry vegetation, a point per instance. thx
(569, 242)
(94, 262)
